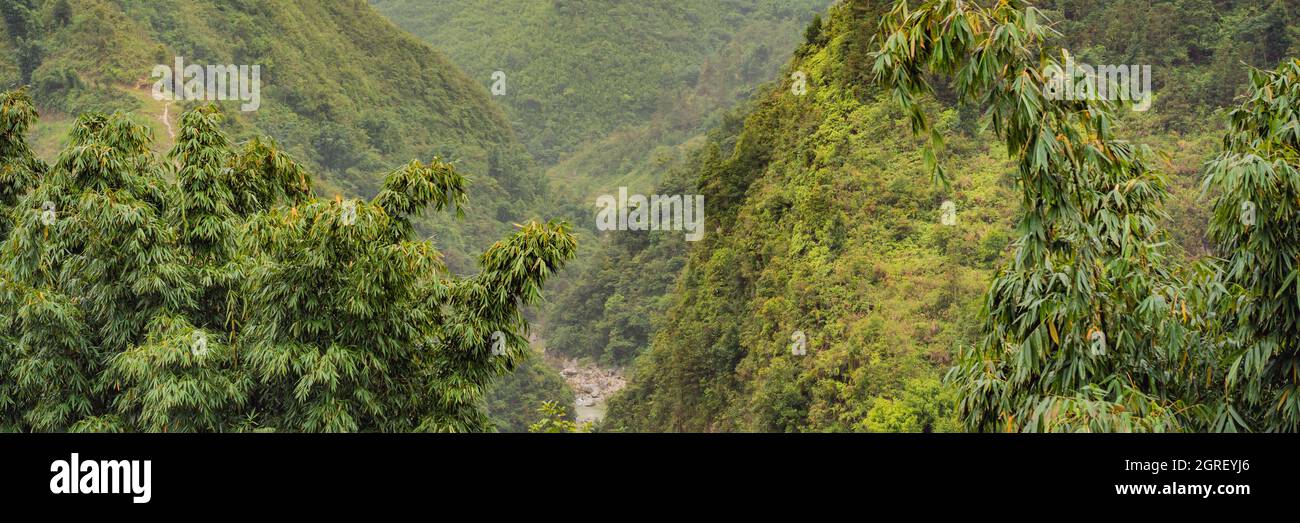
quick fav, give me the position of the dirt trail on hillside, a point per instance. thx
(167, 121)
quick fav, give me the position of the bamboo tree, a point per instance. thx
(512, 274)
(89, 247)
(1256, 226)
(19, 171)
(19, 168)
(233, 299)
(406, 346)
(183, 376)
(1086, 329)
(187, 375)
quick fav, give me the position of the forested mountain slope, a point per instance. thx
(599, 103)
(577, 70)
(343, 90)
(824, 220)
(1196, 48)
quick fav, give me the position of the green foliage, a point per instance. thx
(61, 13)
(578, 70)
(210, 289)
(820, 220)
(514, 398)
(554, 422)
(925, 406)
(607, 314)
(215, 292)
(19, 168)
(24, 27)
(1203, 348)
(813, 34)
(1082, 329)
(1196, 48)
(366, 97)
(1086, 252)
(1255, 227)
(566, 94)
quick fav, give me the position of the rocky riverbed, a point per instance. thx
(592, 386)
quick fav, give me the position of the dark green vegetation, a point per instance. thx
(554, 420)
(828, 222)
(1258, 174)
(613, 94)
(1196, 47)
(1090, 326)
(616, 297)
(213, 291)
(1086, 327)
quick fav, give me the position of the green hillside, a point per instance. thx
(824, 219)
(609, 109)
(342, 89)
(611, 316)
(918, 238)
(578, 71)
(566, 69)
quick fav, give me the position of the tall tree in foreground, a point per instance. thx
(183, 376)
(96, 258)
(228, 297)
(1256, 225)
(19, 171)
(1086, 329)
